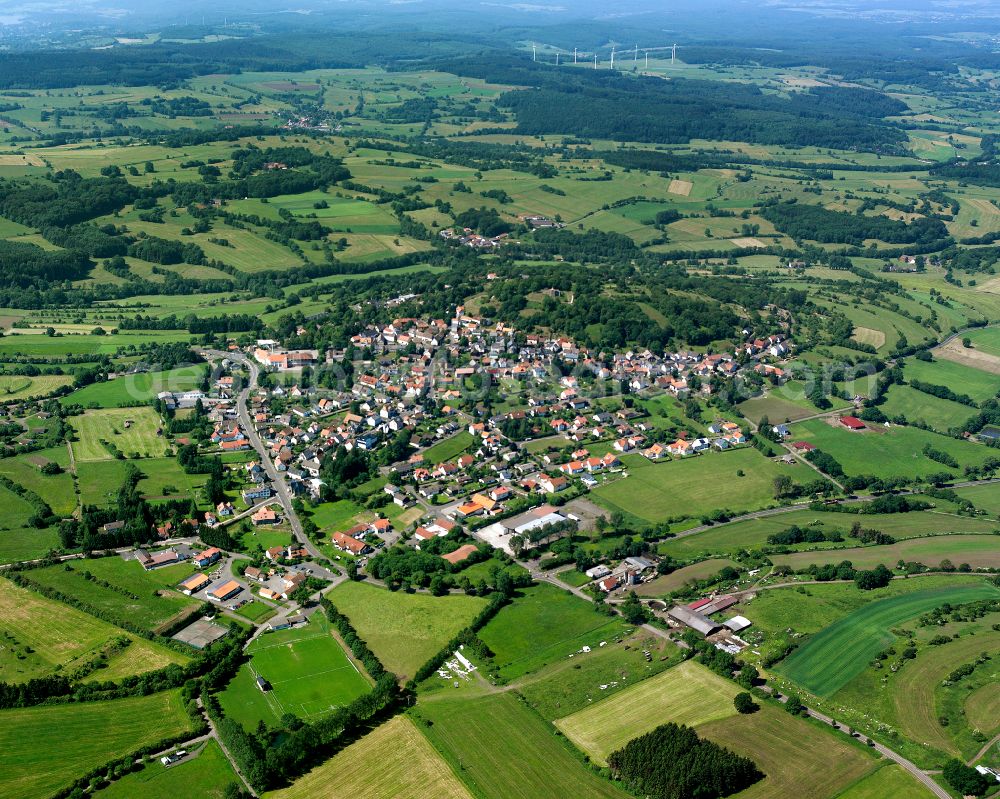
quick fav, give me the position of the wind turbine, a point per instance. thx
(534, 53)
(673, 54)
(635, 59)
(647, 61)
(557, 58)
(612, 56)
(574, 55)
(595, 59)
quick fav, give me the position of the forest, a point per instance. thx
(816, 223)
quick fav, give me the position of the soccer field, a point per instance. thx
(309, 672)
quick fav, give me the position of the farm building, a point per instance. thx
(223, 592)
(263, 684)
(207, 558)
(532, 520)
(852, 423)
(693, 619)
(737, 623)
(194, 584)
(157, 559)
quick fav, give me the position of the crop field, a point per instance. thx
(979, 551)
(403, 630)
(730, 538)
(205, 776)
(129, 430)
(55, 489)
(889, 781)
(44, 748)
(544, 625)
(145, 598)
(893, 452)
(691, 487)
(794, 754)
(42, 346)
(685, 694)
(481, 738)
(666, 583)
(985, 497)
(310, 674)
(828, 660)
(135, 389)
(408, 768)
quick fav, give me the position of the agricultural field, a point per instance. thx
(42, 636)
(543, 626)
(685, 694)
(795, 755)
(978, 551)
(403, 630)
(917, 407)
(55, 489)
(45, 748)
(829, 659)
(753, 533)
(889, 780)
(409, 768)
(480, 738)
(961, 379)
(573, 684)
(149, 599)
(19, 540)
(692, 487)
(205, 775)
(310, 674)
(19, 388)
(888, 452)
(130, 431)
(136, 389)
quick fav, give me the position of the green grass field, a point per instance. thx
(309, 672)
(686, 694)
(403, 630)
(15, 387)
(961, 379)
(448, 449)
(984, 497)
(206, 776)
(543, 625)
(979, 551)
(55, 489)
(397, 761)
(889, 781)
(572, 684)
(752, 533)
(828, 660)
(18, 540)
(45, 748)
(916, 406)
(135, 389)
(40, 636)
(139, 436)
(482, 738)
(895, 452)
(697, 485)
(145, 598)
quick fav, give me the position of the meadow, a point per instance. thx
(828, 660)
(309, 672)
(753, 533)
(894, 452)
(131, 431)
(686, 694)
(45, 748)
(680, 578)
(403, 630)
(41, 636)
(573, 684)
(738, 480)
(544, 625)
(145, 598)
(18, 388)
(18, 539)
(916, 406)
(206, 776)
(55, 489)
(408, 768)
(961, 379)
(448, 449)
(889, 780)
(136, 389)
(979, 551)
(481, 739)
